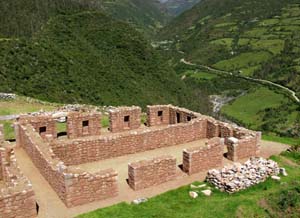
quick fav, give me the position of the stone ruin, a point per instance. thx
(242, 176)
(86, 141)
(17, 197)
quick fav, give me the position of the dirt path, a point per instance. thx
(52, 207)
(262, 81)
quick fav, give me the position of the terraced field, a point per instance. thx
(253, 38)
(259, 43)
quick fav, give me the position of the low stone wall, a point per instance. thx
(84, 150)
(147, 173)
(246, 146)
(203, 158)
(17, 198)
(73, 186)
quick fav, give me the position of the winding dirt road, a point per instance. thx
(291, 92)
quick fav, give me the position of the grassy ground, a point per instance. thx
(247, 107)
(243, 60)
(254, 202)
(285, 140)
(24, 105)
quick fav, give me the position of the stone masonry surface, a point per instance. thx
(83, 124)
(147, 173)
(124, 118)
(17, 199)
(203, 158)
(167, 125)
(73, 186)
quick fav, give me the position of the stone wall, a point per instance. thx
(203, 158)
(212, 128)
(124, 118)
(158, 115)
(147, 173)
(84, 150)
(43, 124)
(1, 133)
(181, 115)
(73, 186)
(17, 198)
(246, 146)
(83, 124)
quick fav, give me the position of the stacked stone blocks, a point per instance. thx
(245, 144)
(83, 124)
(158, 115)
(73, 186)
(167, 126)
(17, 198)
(203, 158)
(44, 124)
(148, 173)
(124, 119)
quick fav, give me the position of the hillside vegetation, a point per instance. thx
(88, 57)
(258, 38)
(26, 17)
(176, 7)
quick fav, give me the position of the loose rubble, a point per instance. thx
(241, 176)
(207, 192)
(197, 186)
(140, 200)
(283, 172)
(277, 178)
(193, 194)
(7, 96)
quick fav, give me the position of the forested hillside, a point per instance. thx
(81, 55)
(176, 7)
(26, 17)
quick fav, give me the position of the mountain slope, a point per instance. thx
(88, 57)
(176, 7)
(258, 38)
(26, 17)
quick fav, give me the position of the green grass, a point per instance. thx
(243, 60)
(21, 105)
(226, 42)
(248, 71)
(269, 22)
(8, 130)
(202, 75)
(255, 33)
(178, 204)
(243, 41)
(275, 46)
(226, 24)
(247, 107)
(284, 140)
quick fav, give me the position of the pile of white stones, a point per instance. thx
(7, 96)
(241, 176)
